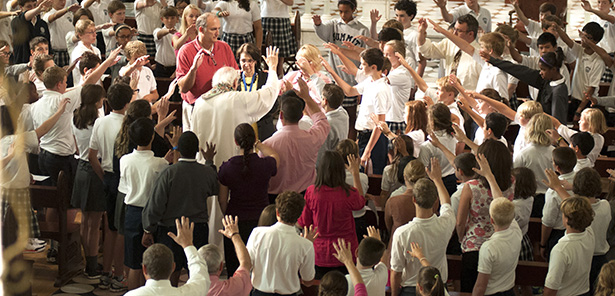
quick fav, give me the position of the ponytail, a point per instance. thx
(431, 280)
(245, 139)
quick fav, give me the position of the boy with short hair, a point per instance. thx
(100, 15)
(588, 68)
(564, 160)
(603, 17)
(165, 54)
(533, 27)
(499, 255)
(86, 31)
(373, 271)
(405, 11)
(102, 142)
(117, 14)
(26, 26)
(147, 14)
(332, 98)
(428, 230)
(136, 54)
(60, 23)
(138, 172)
(582, 143)
(377, 100)
(280, 241)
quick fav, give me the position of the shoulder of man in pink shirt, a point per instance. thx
(238, 285)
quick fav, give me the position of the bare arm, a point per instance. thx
(499, 106)
(420, 83)
(268, 151)
(464, 211)
(32, 13)
(520, 13)
(62, 12)
(187, 82)
(353, 166)
(231, 231)
(179, 41)
(462, 44)
(223, 197)
(601, 14)
(481, 284)
(374, 17)
(608, 60)
(564, 36)
(258, 33)
(350, 66)
(93, 160)
(348, 90)
(395, 282)
(4, 14)
(445, 15)
(435, 174)
(288, 2)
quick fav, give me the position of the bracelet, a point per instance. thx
(175, 147)
(234, 233)
(559, 139)
(218, 13)
(422, 259)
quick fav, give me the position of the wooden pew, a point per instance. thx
(528, 273)
(604, 163)
(70, 261)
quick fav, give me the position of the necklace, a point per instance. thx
(245, 85)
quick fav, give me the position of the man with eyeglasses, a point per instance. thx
(28, 25)
(455, 60)
(198, 60)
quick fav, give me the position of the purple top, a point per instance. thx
(248, 193)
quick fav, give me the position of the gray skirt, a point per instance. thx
(120, 213)
(88, 189)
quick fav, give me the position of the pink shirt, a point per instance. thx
(221, 56)
(179, 35)
(330, 210)
(238, 285)
(298, 150)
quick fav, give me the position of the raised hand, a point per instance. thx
(373, 232)
(286, 85)
(74, 7)
(230, 226)
(436, 27)
(333, 48)
(177, 132)
(272, 57)
(611, 174)
(402, 60)
(553, 134)
(423, 25)
(353, 163)
(326, 65)
(62, 106)
(552, 181)
(310, 233)
(483, 166)
(435, 173)
(459, 134)
(416, 251)
(440, 3)
(342, 252)
(163, 107)
(375, 15)
(316, 19)
(350, 45)
(434, 140)
(223, 14)
(198, 59)
(586, 5)
(210, 151)
(184, 232)
(304, 90)
(191, 30)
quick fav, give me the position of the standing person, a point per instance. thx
(241, 22)
(27, 25)
(218, 111)
(251, 79)
(187, 30)
(165, 54)
(347, 28)
(181, 190)
(88, 193)
(100, 16)
(59, 20)
(86, 32)
(328, 205)
(298, 148)
(196, 64)
(276, 20)
(310, 69)
(470, 7)
(147, 14)
(474, 226)
(405, 11)
(246, 176)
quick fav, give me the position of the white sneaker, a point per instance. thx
(34, 248)
(38, 241)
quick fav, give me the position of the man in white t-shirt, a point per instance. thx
(498, 256)
(471, 7)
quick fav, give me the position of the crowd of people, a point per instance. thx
(285, 153)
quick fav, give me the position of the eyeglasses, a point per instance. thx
(460, 31)
(6, 53)
(246, 61)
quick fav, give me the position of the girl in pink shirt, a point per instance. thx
(328, 206)
(187, 31)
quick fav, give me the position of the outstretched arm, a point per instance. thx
(445, 14)
(521, 72)
(564, 36)
(462, 44)
(601, 14)
(350, 66)
(348, 90)
(520, 13)
(420, 83)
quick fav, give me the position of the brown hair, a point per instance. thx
(245, 138)
(158, 260)
(494, 41)
(565, 158)
(429, 279)
(137, 109)
(331, 172)
(444, 85)
(115, 6)
(253, 51)
(83, 25)
(289, 205)
(578, 211)
(508, 31)
(267, 217)
(87, 113)
(52, 76)
(370, 251)
(500, 162)
(525, 182)
(347, 147)
(134, 49)
(416, 116)
(395, 24)
(414, 171)
(425, 193)
(81, 12)
(333, 283)
(587, 183)
(39, 63)
(440, 117)
(606, 282)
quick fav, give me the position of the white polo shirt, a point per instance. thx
(583, 163)
(148, 18)
(401, 86)
(551, 213)
(104, 133)
(376, 99)
(147, 81)
(82, 137)
(523, 210)
(428, 150)
(498, 257)
(412, 46)
(483, 17)
(16, 173)
(567, 133)
(600, 225)
(77, 52)
(375, 280)
(239, 20)
(491, 77)
(587, 72)
(59, 140)
(165, 54)
(608, 39)
(100, 12)
(536, 158)
(569, 263)
(279, 255)
(432, 234)
(138, 173)
(59, 28)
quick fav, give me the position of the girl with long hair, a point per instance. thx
(187, 30)
(328, 206)
(246, 176)
(241, 22)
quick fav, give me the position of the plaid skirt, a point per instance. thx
(18, 201)
(61, 57)
(607, 76)
(527, 253)
(150, 44)
(282, 34)
(235, 41)
(397, 128)
(350, 101)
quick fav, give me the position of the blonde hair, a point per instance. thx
(529, 109)
(184, 24)
(597, 122)
(135, 49)
(502, 211)
(398, 46)
(444, 84)
(606, 281)
(536, 131)
(578, 211)
(494, 41)
(83, 25)
(312, 54)
(395, 24)
(414, 171)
